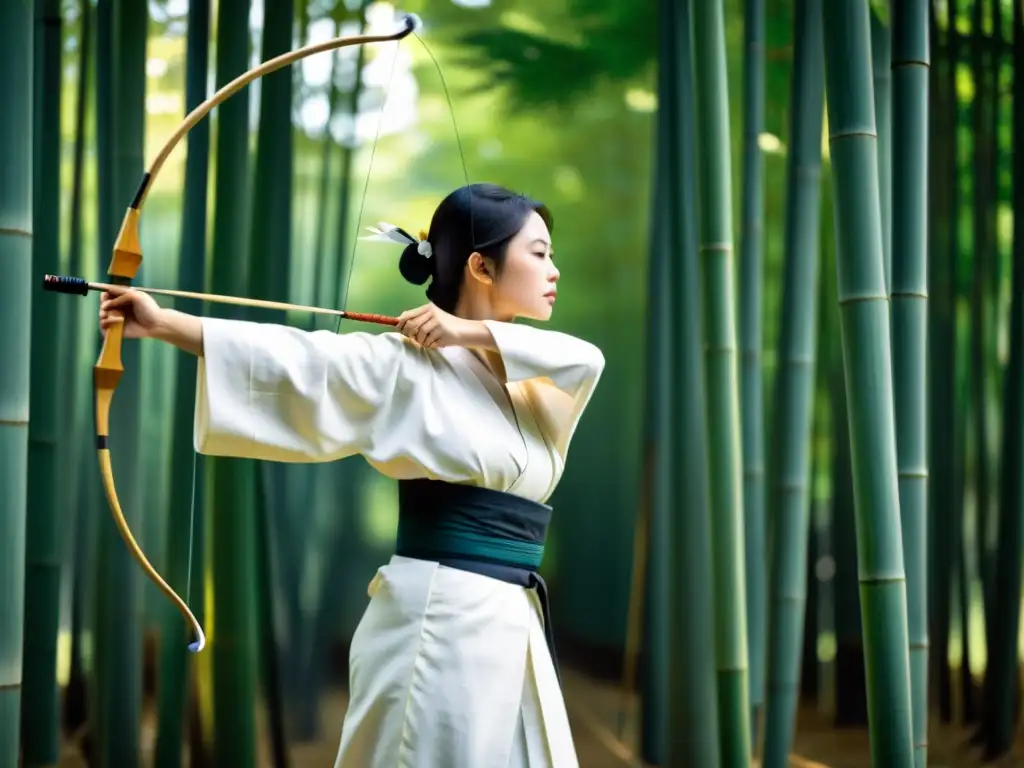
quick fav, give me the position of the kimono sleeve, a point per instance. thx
(560, 371)
(272, 392)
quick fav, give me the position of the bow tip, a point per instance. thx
(199, 644)
(413, 22)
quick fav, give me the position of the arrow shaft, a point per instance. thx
(53, 283)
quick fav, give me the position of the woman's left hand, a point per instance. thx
(433, 328)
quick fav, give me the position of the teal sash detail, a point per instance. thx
(445, 521)
(456, 537)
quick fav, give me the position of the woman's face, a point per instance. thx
(526, 285)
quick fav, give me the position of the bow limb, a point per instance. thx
(124, 265)
(106, 375)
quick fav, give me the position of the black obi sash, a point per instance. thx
(490, 533)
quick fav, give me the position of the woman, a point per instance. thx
(450, 666)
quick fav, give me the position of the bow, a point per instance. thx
(125, 263)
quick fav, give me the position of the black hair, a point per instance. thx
(477, 217)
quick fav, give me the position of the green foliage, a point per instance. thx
(558, 61)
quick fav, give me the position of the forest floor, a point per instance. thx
(593, 712)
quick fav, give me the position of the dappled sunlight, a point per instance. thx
(641, 100)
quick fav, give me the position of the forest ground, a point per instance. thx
(593, 711)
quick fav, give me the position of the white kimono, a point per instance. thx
(448, 669)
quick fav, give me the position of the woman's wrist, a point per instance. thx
(179, 329)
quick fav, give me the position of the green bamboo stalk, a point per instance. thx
(118, 584)
(658, 451)
(76, 496)
(864, 323)
(793, 407)
(655, 482)
(750, 338)
(963, 586)
(15, 345)
(850, 695)
(1002, 674)
(995, 157)
(911, 60)
(106, 230)
(851, 704)
(944, 351)
(43, 548)
(186, 497)
(232, 643)
(268, 646)
(841, 616)
(722, 408)
(692, 703)
(270, 260)
(810, 669)
(982, 262)
(881, 65)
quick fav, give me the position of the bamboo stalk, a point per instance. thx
(864, 326)
(793, 407)
(1001, 677)
(722, 406)
(119, 605)
(692, 707)
(909, 311)
(185, 525)
(15, 344)
(751, 371)
(231, 504)
(44, 523)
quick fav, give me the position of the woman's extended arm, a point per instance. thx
(144, 318)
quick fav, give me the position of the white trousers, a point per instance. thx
(450, 669)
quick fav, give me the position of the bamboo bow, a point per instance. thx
(125, 263)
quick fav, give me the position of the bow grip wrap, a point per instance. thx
(76, 286)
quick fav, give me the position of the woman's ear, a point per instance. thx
(479, 268)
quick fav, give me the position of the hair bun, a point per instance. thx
(414, 266)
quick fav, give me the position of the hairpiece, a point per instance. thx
(389, 233)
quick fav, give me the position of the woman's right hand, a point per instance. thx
(138, 311)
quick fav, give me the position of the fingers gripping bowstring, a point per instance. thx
(373, 151)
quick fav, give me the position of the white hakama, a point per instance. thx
(448, 669)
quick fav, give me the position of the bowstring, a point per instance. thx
(458, 137)
(369, 170)
(373, 150)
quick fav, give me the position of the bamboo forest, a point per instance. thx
(790, 530)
